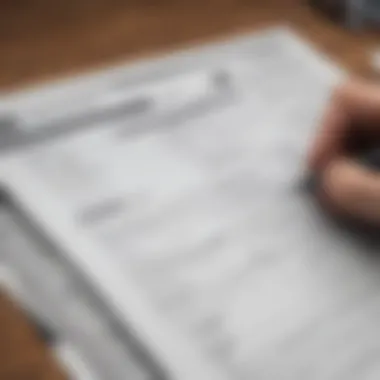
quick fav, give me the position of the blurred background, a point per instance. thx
(42, 40)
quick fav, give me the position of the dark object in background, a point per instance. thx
(353, 14)
(334, 9)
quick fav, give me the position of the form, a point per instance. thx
(190, 220)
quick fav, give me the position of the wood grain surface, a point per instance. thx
(43, 39)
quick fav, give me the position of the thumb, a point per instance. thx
(352, 190)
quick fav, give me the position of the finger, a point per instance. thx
(352, 190)
(353, 103)
(329, 140)
(362, 101)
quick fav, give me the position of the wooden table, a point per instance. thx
(42, 39)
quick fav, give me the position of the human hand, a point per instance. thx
(345, 185)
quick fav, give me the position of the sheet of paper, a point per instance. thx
(200, 215)
(83, 336)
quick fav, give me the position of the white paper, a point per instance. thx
(197, 230)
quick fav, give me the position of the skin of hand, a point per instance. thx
(346, 187)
